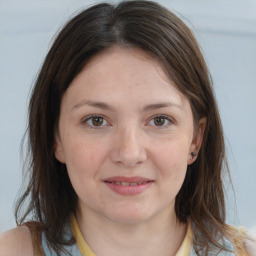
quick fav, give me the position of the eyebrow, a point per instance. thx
(105, 106)
(162, 105)
(95, 104)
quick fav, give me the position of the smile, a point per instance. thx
(124, 183)
(128, 186)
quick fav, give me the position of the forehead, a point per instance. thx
(124, 73)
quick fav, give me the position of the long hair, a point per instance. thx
(147, 26)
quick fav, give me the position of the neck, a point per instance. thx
(161, 235)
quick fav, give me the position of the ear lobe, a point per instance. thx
(197, 140)
(58, 150)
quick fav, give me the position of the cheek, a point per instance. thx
(171, 161)
(84, 160)
(173, 153)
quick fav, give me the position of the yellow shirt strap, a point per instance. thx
(187, 242)
(82, 245)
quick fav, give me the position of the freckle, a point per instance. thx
(92, 157)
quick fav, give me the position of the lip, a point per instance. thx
(128, 186)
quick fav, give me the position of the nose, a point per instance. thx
(128, 148)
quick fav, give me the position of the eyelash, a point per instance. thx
(90, 118)
(165, 117)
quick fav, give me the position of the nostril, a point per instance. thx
(128, 164)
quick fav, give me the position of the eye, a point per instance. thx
(160, 121)
(95, 121)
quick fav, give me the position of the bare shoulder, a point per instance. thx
(250, 244)
(16, 241)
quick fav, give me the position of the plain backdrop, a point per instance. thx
(226, 30)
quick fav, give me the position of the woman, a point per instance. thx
(126, 143)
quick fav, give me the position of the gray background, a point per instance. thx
(226, 30)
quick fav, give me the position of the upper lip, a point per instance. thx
(135, 179)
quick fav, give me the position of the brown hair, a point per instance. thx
(155, 30)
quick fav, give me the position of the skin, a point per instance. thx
(128, 144)
(16, 241)
(146, 129)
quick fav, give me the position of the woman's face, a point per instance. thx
(126, 136)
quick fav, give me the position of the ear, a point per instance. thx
(197, 141)
(59, 150)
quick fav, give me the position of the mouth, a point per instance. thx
(124, 183)
(128, 185)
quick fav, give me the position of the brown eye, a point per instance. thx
(159, 121)
(97, 121)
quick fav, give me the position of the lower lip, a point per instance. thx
(128, 190)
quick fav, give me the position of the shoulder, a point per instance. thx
(250, 244)
(16, 241)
